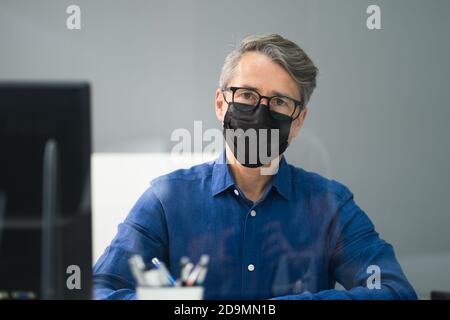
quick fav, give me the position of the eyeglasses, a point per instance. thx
(281, 107)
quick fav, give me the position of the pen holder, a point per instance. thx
(169, 293)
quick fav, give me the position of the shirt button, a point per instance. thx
(236, 192)
(251, 267)
(253, 213)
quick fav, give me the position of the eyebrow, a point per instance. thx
(276, 93)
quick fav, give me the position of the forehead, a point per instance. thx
(259, 71)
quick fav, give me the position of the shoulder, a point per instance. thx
(315, 186)
(326, 198)
(182, 178)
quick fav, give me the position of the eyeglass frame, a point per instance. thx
(297, 103)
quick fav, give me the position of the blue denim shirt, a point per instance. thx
(305, 234)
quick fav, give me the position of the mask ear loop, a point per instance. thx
(300, 107)
(225, 99)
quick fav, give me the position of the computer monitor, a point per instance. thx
(45, 206)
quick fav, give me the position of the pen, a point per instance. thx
(184, 261)
(162, 267)
(153, 278)
(199, 269)
(202, 275)
(186, 272)
(137, 267)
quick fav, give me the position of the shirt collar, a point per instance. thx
(222, 178)
(282, 181)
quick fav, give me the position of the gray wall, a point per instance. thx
(378, 120)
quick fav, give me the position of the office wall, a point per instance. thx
(378, 120)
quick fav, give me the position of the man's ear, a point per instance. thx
(303, 115)
(298, 123)
(221, 105)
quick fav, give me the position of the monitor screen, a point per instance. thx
(31, 115)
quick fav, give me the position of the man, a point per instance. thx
(271, 230)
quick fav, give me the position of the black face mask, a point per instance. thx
(248, 144)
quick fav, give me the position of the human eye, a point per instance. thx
(280, 102)
(246, 96)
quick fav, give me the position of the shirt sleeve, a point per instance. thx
(143, 232)
(357, 253)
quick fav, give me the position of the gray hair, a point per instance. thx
(282, 51)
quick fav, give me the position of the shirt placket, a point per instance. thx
(250, 268)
